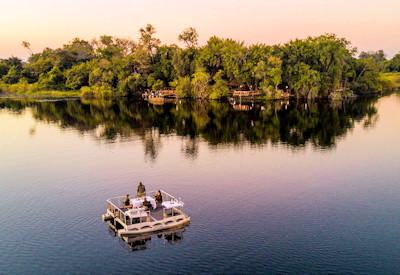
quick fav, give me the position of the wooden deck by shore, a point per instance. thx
(246, 93)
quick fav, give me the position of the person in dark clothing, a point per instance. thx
(127, 202)
(158, 198)
(146, 204)
(141, 190)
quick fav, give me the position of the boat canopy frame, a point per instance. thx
(115, 206)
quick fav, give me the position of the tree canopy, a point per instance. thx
(313, 67)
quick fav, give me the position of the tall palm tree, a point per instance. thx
(27, 46)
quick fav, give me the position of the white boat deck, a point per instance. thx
(138, 220)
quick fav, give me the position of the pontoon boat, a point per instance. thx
(137, 220)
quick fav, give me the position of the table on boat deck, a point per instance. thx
(136, 213)
(171, 204)
(138, 202)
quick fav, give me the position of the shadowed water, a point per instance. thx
(283, 187)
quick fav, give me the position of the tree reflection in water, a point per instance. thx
(294, 124)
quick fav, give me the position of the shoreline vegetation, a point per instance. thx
(316, 67)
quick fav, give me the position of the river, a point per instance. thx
(280, 187)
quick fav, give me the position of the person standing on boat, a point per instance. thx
(141, 190)
(158, 198)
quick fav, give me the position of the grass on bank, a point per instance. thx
(391, 80)
(32, 90)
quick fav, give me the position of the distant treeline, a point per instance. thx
(323, 66)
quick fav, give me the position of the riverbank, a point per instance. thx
(391, 80)
(390, 83)
(41, 94)
(77, 94)
(25, 90)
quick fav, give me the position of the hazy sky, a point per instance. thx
(369, 24)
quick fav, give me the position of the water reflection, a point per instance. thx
(292, 123)
(171, 237)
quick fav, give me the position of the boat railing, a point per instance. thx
(114, 205)
(168, 197)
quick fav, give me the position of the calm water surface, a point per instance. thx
(285, 187)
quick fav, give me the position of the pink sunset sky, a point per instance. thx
(368, 24)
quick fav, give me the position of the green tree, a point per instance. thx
(306, 81)
(107, 47)
(54, 79)
(183, 87)
(275, 71)
(77, 76)
(268, 75)
(147, 39)
(366, 78)
(220, 88)
(103, 74)
(328, 55)
(79, 50)
(40, 63)
(260, 73)
(200, 84)
(210, 56)
(163, 67)
(154, 83)
(131, 84)
(158, 85)
(316, 66)
(185, 61)
(378, 57)
(254, 54)
(394, 64)
(4, 67)
(13, 62)
(11, 70)
(13, 75)
(189, 37)
(225, 55)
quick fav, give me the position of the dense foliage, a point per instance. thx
(322, 66)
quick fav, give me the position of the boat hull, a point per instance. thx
(154, 227)
(145, 228)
